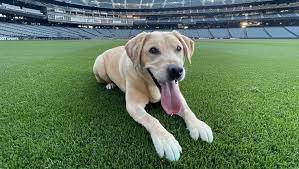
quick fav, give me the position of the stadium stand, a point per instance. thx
(18, 9)
(204, 33)
(293, 29)
(279, 32)
(155, 3)
(192, 33)
(134, 32)
(123, 19)
(220, 33)
(237, 33)
(81, 33)
(256, 33)
(93, 32)
(55, 32)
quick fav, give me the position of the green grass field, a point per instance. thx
(53, 114)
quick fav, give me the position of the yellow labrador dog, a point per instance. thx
(148, 69)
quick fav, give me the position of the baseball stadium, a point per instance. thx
(243, 82)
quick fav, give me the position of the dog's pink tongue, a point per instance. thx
(170, 97)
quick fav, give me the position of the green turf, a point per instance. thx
(53, 114)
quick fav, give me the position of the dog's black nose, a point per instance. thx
(174, 71)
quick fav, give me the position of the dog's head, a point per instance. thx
(163, 55)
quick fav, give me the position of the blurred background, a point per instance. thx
(122, 19)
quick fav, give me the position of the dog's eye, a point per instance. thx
(154, 51)
(178, 48)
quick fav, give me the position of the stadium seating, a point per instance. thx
(237, 33)
(256, 33)
(19, 9)
(279, 32)
(204, 33)
(156, 3)
(293, 29)
(206, 19)
(134, 32)
(220, 33)
(38, 31)
(82, 33)
(6, 30)
(93, 32)
(192, 33)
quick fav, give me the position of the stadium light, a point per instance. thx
(244, 24)
(2, 16)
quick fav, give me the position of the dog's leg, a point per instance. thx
(165, 143)
(196, 127)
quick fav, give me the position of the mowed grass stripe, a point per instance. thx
(53, 114)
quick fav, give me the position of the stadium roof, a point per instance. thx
(135, 4)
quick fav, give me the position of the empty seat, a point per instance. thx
(237, 32)
(191, 33)
(204, 33)
(220, 33)
(293, 29)
(256, 33)
(279, 32)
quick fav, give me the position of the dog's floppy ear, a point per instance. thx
(188, 45)
(134, 47)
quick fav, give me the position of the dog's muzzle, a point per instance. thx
(154, 79)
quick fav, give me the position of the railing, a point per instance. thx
(155, 4)
(68, 18)
(21, 10)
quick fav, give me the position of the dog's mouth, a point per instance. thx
(170, 95)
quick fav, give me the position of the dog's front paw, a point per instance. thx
(110, 86)
(167, 146)
(200, 129)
